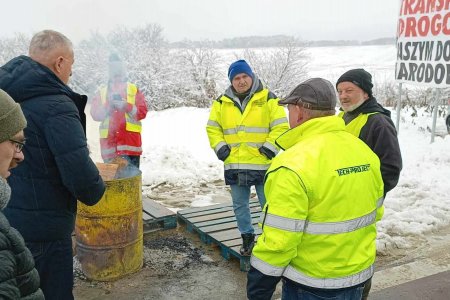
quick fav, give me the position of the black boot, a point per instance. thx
(248, 241)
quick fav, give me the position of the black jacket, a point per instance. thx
(57, 169)
(380, 135)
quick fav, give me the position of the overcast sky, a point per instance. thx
(206, 19)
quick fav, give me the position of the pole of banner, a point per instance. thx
(437, 95)
(399, 107)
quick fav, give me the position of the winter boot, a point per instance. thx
(248, 241)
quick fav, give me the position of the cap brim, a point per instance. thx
(288, 100)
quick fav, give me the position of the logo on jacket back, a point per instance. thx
(354, 169)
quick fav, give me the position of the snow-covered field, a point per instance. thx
(176, 151)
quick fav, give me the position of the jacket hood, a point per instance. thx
(23, 78)
(370, 106)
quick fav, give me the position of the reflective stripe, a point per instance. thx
(298, 225)
(234, 145)
(271, 147)
(219, 145)
(230, 131)
(129, 148)
(247, 166)
(341, 227)
(254, 129)
(283, 223)
(255, 145)
(266, 268)
(246, 129)
(380, 202)
(213, 123)
(327, 283)
(278, 122)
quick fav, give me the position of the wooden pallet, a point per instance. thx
(156, 216)
(216, 224)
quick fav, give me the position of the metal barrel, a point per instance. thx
(109, 234)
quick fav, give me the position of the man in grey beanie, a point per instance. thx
(18, 279)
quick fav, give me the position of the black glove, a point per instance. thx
(223, 152)
(266, 152)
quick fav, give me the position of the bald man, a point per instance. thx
(58, 170)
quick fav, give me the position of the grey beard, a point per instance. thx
(5, 193)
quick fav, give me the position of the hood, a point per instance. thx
(257, 86)
(24, 78)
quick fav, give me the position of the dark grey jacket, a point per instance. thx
(18, 277)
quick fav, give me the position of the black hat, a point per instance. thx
(314, 93)
(359, 77)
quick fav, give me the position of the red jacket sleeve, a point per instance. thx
(99, 111)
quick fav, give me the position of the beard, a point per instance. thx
(352, 107)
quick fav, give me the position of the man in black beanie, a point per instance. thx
(367, 119)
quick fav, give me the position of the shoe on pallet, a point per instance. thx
(248, 241)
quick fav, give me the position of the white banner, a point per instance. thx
(423, 43)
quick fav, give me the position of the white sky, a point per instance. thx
(207, 19)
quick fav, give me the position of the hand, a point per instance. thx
(118, 104)
(223, 152)
(266, 152)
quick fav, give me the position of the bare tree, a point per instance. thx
(12, 47)
(281, 69)
(200, 64)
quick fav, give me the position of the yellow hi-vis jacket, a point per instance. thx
(354, 127)
(322, 195)
(245, 129)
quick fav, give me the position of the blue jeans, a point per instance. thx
(295, 291)
(241, 197)
(54, 264)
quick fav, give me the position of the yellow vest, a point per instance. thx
(319, 219)
(132, 125)
(354, 127)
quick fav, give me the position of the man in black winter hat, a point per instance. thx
(367, 119)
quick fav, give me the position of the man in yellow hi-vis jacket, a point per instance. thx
(242, 127)
(322, 197)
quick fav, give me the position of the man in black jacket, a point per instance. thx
(58, 170)
(367, 119)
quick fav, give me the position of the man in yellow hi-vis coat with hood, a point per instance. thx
(322, 194)
(242, 127)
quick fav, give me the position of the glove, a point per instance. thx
(266, 152)
(118, 104)
(223, 152)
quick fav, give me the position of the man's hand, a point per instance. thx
(266, 152)
(223, 152)
(118, 104)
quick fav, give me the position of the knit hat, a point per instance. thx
(238, 67)
(359, 77)
(116, 66)
(314, 93)
(12, 119)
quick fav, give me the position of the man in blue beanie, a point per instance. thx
(242, 128)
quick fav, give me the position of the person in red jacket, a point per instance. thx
(119, 106)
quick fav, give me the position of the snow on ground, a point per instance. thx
(177, 152)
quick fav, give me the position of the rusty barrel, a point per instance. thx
(109, 234)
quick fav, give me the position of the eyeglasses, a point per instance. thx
(17, 145)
